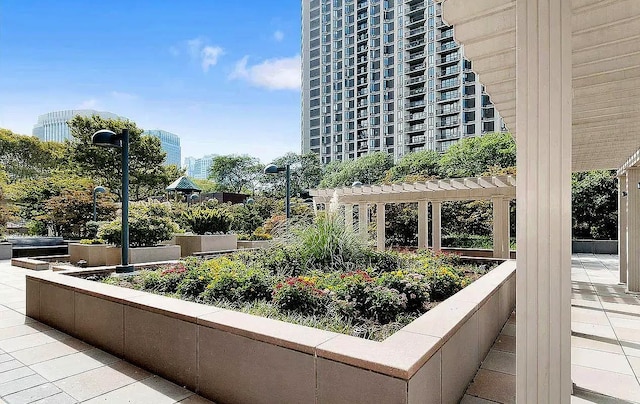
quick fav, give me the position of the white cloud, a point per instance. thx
(278, 35)
(210, 55)
(273, 74)
(91, 103)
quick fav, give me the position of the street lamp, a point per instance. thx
(192, 198)
(273, 169)
(107, 138)
(96, 190)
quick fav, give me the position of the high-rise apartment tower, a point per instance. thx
(386, 75)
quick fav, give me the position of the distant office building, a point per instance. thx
(52, 127)
(170, 144)
(198, 167)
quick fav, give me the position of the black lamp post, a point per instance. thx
(96, 190)
(273, 169)
(107, 138)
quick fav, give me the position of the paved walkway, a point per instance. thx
(41, 365)
(605, 341)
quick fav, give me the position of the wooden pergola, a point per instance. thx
(500, 190)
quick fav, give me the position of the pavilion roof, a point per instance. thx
(183, 184)
(451, 189)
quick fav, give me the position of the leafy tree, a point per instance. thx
(594, 205)
(149, 224)
(415, 166)
(306, 172)
(67, 214)
(207, 186)
(235, 173)
(147, 176)
(369, 169)
(475, 155)
(26, 157)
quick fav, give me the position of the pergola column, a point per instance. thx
(633, 230)
(500, 227)
(422, 224)
(436, 223)
(543, 123)
(348, 216)
(363, 218)
(622, 226)
(380, 226)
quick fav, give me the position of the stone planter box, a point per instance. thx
(139, 255)
(233, 357)
(192, 243)
(594, 246)
(253, 244)
(5, 251)
(94, 254)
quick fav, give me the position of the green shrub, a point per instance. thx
(92, 228)
(411, 285)
(238, 284)
(149, 224)
(203, 219)
(36, 228)
(163, 281)
(443, 282)
(384, 304)
(384, 261)
(92, 241)
(281, 260)
(300, 294)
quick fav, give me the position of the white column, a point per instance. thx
(363, 218)
(622, 226)
(348, 216)
(543, 123)
(423, 224)
(436, 226)
(380, 226)
(500, 226)
(633, 230)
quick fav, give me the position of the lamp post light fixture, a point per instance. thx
(96, 190)
(273, 169)
(192, 198)
(107, 138)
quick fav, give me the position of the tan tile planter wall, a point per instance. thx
(234, 357)
(5, 251)
(94, 254)
(191, 243)
(253, 244)
(141, 255)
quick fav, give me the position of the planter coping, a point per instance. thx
(401, 355)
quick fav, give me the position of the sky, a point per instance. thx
(223, 75)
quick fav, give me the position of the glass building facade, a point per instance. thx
(170, 144)
(52, 127)
(386, 75)
(198, 167)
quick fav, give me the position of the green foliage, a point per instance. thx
(443, 282)
(235, 173)
(147, 175)
(369, 169)
(594, 206)
(299, 294)
(205, 218)
(36, 228)
(412, 285)
(421, 165)
(149, 224)
(305, 172)
(475, 155)
(327, 243)
(26, 157)
(92, 241)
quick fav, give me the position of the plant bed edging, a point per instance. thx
(434, 357)
(191, 243)
(140, 255)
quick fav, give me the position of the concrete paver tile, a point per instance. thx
(15, 374)
(500, 361)
(600, 360)
(69, 365)
(617, 385)
(101, 380)
(52, 350)
(32, 394)
(495, 386)
(152, 390)
(22, 329)
(21, 384)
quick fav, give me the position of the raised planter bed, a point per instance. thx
(229, 356)
(243, 244)
(191, 243)
(5, 251)
(37, 246)
(594, 246)
(138, 255)
(94, 254)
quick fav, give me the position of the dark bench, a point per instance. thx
(37, 246)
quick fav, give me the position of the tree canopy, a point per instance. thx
(476, 155)
(235, 173)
